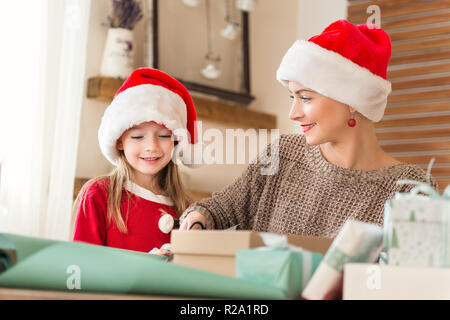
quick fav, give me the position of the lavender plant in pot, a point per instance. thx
(118, 55)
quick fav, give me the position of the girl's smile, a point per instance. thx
(151, 160)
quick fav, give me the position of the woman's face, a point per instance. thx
(148, 148)
(322, 119)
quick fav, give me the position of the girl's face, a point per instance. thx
(322, 119)
(148, 148)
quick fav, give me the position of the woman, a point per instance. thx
(336, 170)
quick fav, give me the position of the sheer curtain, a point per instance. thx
(42, 85)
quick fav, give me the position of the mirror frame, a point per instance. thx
(241, 98)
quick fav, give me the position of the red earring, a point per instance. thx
(352, 122)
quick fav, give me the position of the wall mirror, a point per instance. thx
(205, 45)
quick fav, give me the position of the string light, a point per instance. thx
(231, 30)
(210, 71)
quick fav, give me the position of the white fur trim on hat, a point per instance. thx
(136, 105)
(336, 77)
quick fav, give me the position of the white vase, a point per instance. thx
(118, 56)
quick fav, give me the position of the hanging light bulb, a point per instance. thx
(246, 5)
(211, 71)
(230, 31)
(191, 3)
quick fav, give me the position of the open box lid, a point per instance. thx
(226, 243)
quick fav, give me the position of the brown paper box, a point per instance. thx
(215, 250)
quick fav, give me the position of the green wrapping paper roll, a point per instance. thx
(57, 265)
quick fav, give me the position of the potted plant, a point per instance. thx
(118, 55)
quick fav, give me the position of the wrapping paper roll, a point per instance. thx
(74, 266)
(356, 242)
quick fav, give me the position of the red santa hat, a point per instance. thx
(151, 95)
(346, 62)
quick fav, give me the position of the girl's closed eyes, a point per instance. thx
(160, 135)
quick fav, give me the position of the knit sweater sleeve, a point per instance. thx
(237, 203)
(416, 173)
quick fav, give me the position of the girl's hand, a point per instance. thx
(162, 252)
(190, 219)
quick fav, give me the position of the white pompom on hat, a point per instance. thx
(151, 95)
(346, 62)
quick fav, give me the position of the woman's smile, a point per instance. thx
(307, 127)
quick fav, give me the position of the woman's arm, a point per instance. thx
(236, 203)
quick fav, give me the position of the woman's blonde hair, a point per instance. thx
(168, 179)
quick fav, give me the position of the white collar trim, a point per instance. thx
(147, 194)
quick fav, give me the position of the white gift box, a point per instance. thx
(364, 281)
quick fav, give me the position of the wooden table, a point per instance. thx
(32, 294)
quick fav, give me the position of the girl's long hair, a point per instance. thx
(168, 180)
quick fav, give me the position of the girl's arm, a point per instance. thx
(90, 224)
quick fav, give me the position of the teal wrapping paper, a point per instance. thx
(278, 265)
(80, 267)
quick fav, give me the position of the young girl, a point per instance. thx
(135, 207)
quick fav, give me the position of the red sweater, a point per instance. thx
(144, 214)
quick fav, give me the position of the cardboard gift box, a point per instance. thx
(416, 231)
(215, 250)
(363, 281)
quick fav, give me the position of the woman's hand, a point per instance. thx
(190, 219)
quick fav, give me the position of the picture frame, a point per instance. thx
(242, 96)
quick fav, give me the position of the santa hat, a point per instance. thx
(346, 62)
(151, 95)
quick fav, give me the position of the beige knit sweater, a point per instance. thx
(307, 196)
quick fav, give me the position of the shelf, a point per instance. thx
(104, 89)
